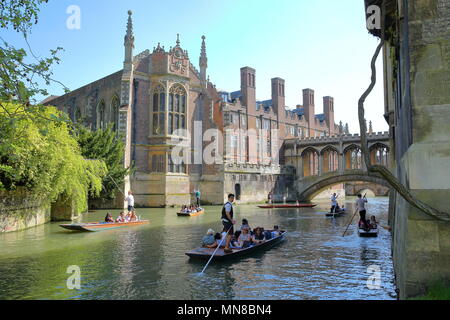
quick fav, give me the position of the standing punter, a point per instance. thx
(197, 196)
(334, 202)
(130, 200)
(228, 222)
(360, 203)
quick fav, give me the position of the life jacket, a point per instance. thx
(224, 215)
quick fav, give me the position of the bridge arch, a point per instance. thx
(308, 190)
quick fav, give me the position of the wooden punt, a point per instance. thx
(192, 214)
(205, 253)
(288, 206)
(335, 215)
(372, 233)
(100, 226)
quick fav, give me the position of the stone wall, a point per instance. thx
(19, 211)
(420, 57)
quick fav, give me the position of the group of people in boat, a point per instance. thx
(335, 208)
(361, 207)
(122, 218)
(244, 238)
(191, 209)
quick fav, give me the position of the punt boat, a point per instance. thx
(206, 253)
(100, 226)
(372, 233)
(288, 206)
(337, 214)
(191, 214)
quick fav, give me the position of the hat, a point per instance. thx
(210, 232)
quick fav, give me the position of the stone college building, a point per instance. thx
(160, 101)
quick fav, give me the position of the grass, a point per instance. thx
(436, 292)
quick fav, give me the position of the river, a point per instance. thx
(148, 262)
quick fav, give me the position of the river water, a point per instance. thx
(148, 262)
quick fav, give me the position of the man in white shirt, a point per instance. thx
(334, 202)
(130, 200)
(361, 204)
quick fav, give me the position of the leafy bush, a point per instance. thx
(40, 154)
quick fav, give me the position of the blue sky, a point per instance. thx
(321, 44)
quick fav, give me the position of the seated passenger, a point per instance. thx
(128, 217)
(208, 240)
(259, 237)
(109, 218)
(121, 217)
(245, 239)
(276, 232)
(217, 241)
(245, 224)
(234, 240)
(373, 222)
(133, 217)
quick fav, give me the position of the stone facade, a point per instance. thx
(160, 91)
(19, 210)
(417, 105)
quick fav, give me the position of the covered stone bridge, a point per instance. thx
(318, 163)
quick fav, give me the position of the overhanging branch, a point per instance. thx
(381, 170)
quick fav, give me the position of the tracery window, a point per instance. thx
(101, 111)
(115, 104)
(177, 109)
(158, 110)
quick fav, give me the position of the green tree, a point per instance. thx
(106, 146)
(21, 71)
(43, 157)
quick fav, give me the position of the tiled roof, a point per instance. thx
(320, 117)
(235, 95)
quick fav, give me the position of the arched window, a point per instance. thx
(101, 112)
(310, 163)
(353, 159)
(158, 111)
(177, 110)
(115, 104)
(380, 155)
(330, 160)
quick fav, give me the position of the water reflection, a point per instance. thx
(148, 262)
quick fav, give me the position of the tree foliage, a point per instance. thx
(44, 158)
(21, 70)
(106, 146)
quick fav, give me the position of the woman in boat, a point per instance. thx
(245, 239)
(234, 240)
(245, 224)
(133, 217)
(109, 218)
(258, 237)
(208, 240)
(127, 217)
(121, 218)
